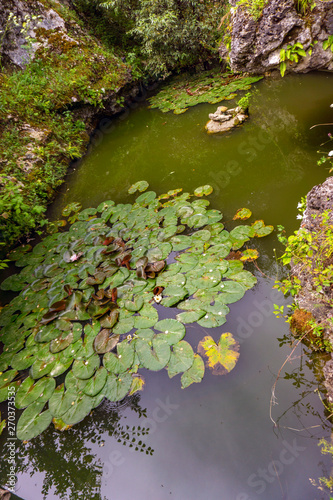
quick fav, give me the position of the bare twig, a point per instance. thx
(273, 398)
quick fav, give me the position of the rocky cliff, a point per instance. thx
(256, 44)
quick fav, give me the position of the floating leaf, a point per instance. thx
(260, 229)
(155, 356)
(85, 368)
(29, 391)
(203, 190)
(147, 317)
(61, 401)
(117, 387)
(137, 384)
(122, 361)
(96, 383)
(79, 409)
(105, 342)
(249, 255)
(195, 373)
(243, 214)
(33, 421)
(221, 358)
(181, 359)
(245, 278)
(173, 294)
(138, 186)
(172, 330)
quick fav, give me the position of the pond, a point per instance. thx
(220, 439)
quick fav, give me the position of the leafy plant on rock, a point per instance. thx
(86, 319)
(292, 53)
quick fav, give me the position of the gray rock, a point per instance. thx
(256, 45)
(16, 49)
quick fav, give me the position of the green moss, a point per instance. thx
(66, 69)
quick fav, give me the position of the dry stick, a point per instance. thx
(320, 124)
(278, 479)
(266, 276)
(277, 378)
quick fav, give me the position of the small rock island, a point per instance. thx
(225, 119)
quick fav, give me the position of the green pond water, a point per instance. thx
(212, 440)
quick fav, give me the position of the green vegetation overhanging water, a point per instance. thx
(214, 439)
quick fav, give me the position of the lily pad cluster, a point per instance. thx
(210, 86)
(86, 319)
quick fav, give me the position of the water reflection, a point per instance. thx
(68, 461)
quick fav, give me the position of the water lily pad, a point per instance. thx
(117, 387)
(42, 367)
(138, 186)
(220, 357)
(85, 368)
(208, 277)
(153, 356)
(146, 198)
(197, 220)
(60, 343)
(181, 359)
(24, 359)
(105, 205)
(120, 362)
(173, 294)
(134, 305)
(29, 391)
(214, 216)
(61, 401)
(7, 377)
(172, 330)
(203, 190)
(147, 317)
(137, 384)
(243, 214)
(200, 236)
(245, 278)
(215, 316)
(260, 229)
(190, 316)
(15, 283)
(180, 242)
(33, 421)
(249, 255)
(188, 261)
(195, 373)
(96, 383)
(105, 341)
(79, 409)
(231, 291)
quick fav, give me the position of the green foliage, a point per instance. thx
(2, 425)
(325, 484)
(209, 86)
(253, 7)
(170, 34)
(85, 320)
(63, 71)
(292, 54)
(312, 252)
(304, 6)
(244, 101)
(328, 44)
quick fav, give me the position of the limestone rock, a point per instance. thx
(225, 119)
(18, 50)
(256, 45)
